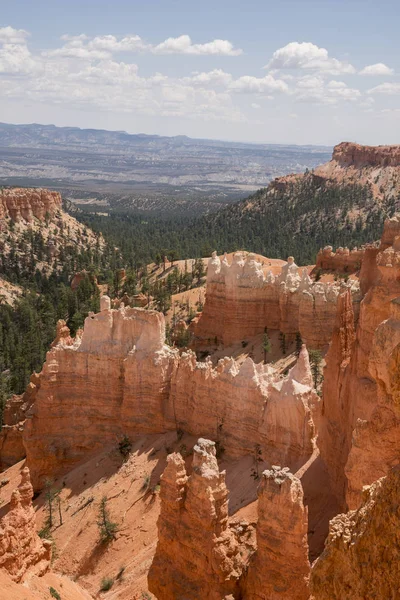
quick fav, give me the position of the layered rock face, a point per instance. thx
(280, 568)
(376, 166)
(21, 549)
(28, 203)
(197, 553)
(349, 154)
(119, 378)
(362, 558)
(201, 554)
(359, 429)
(241, 302)
(341, 261)
(14, 414)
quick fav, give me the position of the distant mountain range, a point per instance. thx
(144, 171)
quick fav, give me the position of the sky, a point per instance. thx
(281, 71)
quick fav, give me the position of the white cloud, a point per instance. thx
(377, 69)
(215, 77)
(259, 85)
(102, 47)
(335, 85)
(312, 88)
(389, 89)
(183, 45)
(305, 55)
(9, 35)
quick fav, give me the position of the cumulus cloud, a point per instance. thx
(377, 69)
(389, 89)
(258, 85)
(9, 35)
(312, 88)
(183, 45)
(99, 47)
(305, 55)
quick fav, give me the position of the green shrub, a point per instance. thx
(106, 584)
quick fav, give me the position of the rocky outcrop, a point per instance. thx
(362, 557)
(120, 378)
(202, 554)
(360, 419)
(21, 549)
(343, 261)
(28, 203)
(241, 302)
(280, 569)
(12, 449)
(197, 553)
(349, 154)
(375, 166)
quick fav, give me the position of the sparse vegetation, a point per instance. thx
(146, 483)
(315, 362)
(54, 593)
(266, 345)
(106, 584)
(107, 528)
(125, 447)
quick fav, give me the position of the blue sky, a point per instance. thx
(296, 71)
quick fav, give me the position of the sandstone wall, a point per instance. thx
(241, 302)
(280, 568)
(349, 154)
(202, 554)
(119, 378)
(359, 428)
(27, 203)
(198, 554)
(21, 549)
(361, 559)
(341, 261)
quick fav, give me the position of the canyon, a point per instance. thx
(228, 471)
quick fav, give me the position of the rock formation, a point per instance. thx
(375, 166)
(202, 554)
(280, 569)
(28, 203)
(197, 553)
(21, 549)
(241, 302)
(120, 378)
(14, 414)
(359, 427)
(343, 261)
(348, 154)
(362, 557)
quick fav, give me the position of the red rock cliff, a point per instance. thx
(280, 569)
(349, 154)
(359, 429)
(362, 558)
(120, 378)
(21, 549)
(197, 553)
(27, 203)
(241, 302)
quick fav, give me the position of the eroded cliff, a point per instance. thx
(119, 378)
(241, 302)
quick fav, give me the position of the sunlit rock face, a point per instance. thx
(198, 555)
(21, 550)
(280, 568)
(241, 302)
(361, 558)
(28, 203)
(359, 437)
(118, 377)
